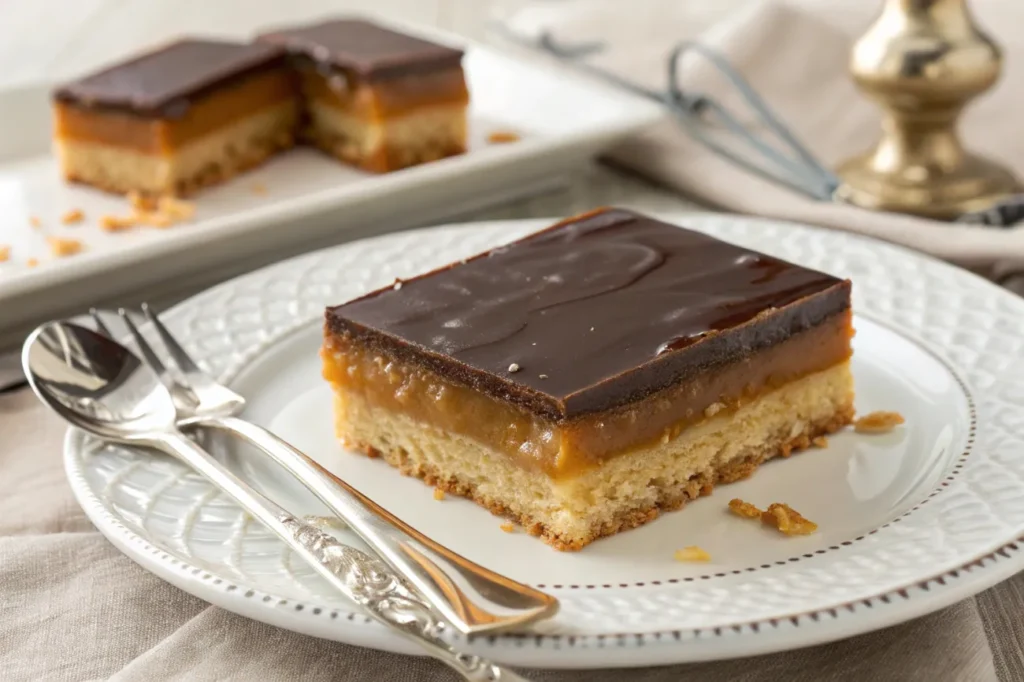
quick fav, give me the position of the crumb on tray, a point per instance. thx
(508, 527)
(176, 208)
(141, 202)
(160, 212)
(154, 219)
(502, 137)
(438, 494)
(116, 223)
(75, 215)
(61, 247)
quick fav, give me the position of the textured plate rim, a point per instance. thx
(363, 631)
(1002, 552)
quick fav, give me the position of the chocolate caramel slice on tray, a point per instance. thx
(589, 376)
(376, 98)
(187, 115)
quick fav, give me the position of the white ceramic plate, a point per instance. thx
(563, 118)
(909, 521)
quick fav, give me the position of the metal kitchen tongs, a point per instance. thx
(783, 160)
(776, 156)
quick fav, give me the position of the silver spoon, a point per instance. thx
(101, 387)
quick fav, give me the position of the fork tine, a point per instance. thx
(182, 359)
(100, 326)
(147, 351)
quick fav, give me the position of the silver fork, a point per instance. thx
(473, 598)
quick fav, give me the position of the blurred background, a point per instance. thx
(53, 39)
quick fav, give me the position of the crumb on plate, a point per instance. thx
(438, 494)
(61, 247)
(5, 253)
(508, 527)
(32, 262)
(259, 188)
(878, 422)
(35, 222)
(691, 553)
(787, 520)
(502, 137)
(820, 442)
(75, 215)
(744, 509)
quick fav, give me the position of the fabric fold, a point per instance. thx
(795, 53)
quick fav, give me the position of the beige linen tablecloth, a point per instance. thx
(74, 608)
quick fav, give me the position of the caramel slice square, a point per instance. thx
(376, 98)
(589, 376)
(184, 116)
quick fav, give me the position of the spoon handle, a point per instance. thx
(365, 580)
(469, 596)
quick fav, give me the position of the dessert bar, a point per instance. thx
(589, 376)
(376, 98)
(197, 112)
(176, 119)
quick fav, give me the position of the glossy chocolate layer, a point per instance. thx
(595, 312)
(164, 82)
(364, 49)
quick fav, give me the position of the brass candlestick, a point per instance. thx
(922, 61)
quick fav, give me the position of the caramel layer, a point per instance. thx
(563, 450)
(162, 137)
(381, 99)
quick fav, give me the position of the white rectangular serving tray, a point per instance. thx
(563, 118)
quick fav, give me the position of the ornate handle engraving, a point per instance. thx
(372, 584)
(467, 596)
(366, 580)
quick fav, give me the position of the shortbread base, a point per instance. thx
(419, 136)
(622, 493)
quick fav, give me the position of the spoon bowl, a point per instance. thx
(96, 384)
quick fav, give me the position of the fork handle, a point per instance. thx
(362, 578)
(473, 598)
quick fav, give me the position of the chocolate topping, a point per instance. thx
(596, 312)
(162, 83)
(367, 50)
